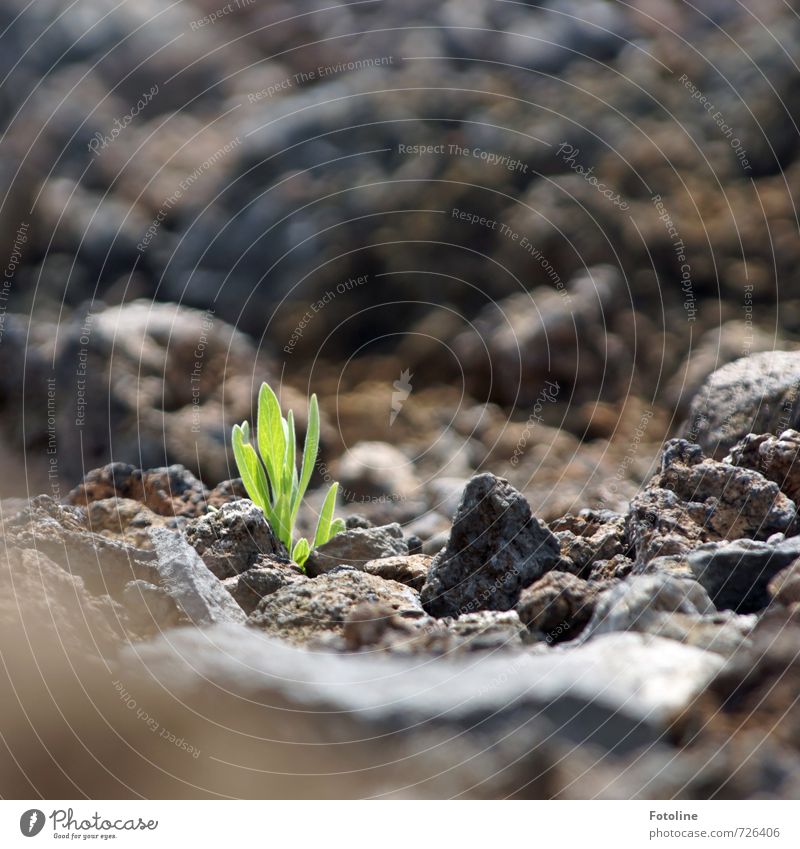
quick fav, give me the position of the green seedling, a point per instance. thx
(270, 474)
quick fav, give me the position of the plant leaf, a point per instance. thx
(271, 440)
(337, 526)
(326, 516)
(310, 452)
(250, 467)
(301, 551)
(289, 460)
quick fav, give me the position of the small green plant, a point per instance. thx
(270, 474)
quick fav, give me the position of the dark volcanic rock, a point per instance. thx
(755, 394)
(356, 547)
(736, 575)
(190, 582)
(231, 538)
(496, 548)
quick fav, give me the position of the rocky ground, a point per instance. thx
(565, 421)
(650, 652)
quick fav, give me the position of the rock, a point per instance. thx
(508, 351)
(557, 607)
(784, 588)
(367, 623)
(736, 574)
(169, 491)
(150, 608)
(753, 696)
(190, 582)
(634, 604)
(300, 610)
(356, 547)
(126, 520)
(377, 627)
(42, 605)
(755, 394)
(356, 520)
(231, 538)
(268, 576)
(226, 491)
(609, 570)
(693, 500)
(376, 471)
(444, 494)
(164, 381)
(590, 536)
(667, 606)
(433, 545)
(495, 549)
(411, 570)
(715, 348)
(59, 532)
(428, 526)
(776, 457)
(488, 630)
(617, 692)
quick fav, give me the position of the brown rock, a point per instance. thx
(303, 609)
(557, 607)
(784, 588)
(411, 570)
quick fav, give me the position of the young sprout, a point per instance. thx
(270, 474)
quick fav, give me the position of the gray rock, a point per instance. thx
(557, 607)
(356, 547)
(617, 692)
(267, 577)
(376, 470)
(231, 538)
(302, 610)
(693, 500)
(150, 608)
(190, 582)
(668, 606)
(633, 604)
(433, 545)
(776, 457)
(496, 548)
(736, 575)
(411, 570)
(755, 394)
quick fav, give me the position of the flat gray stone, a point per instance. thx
(619, 691)
(736, 574)
(185, 576)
